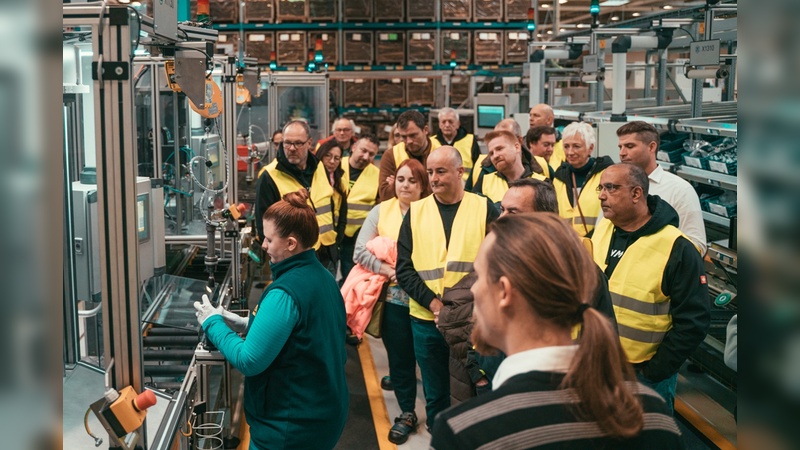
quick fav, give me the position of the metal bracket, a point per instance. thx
(112, 70)
(229, 78)
(190, 74)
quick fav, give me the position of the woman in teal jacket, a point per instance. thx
(294, 354)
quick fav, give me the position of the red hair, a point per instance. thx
(293, 216)
(419, 173)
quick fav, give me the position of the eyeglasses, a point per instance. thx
(610, 187)
(342, 130)
(288, 144)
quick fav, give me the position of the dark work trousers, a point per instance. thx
(346, 255)
(433, 357)
(399, 343)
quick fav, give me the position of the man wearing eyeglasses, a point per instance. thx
(655, 275)
(293, 169)
(343, 134)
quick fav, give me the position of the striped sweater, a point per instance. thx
(529, 411)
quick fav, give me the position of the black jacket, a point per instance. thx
(267, 191)
(455, 324)
(683, 281)
(461, 134)
(564, 173)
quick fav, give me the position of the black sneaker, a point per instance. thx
(386, 383)
(403, 426)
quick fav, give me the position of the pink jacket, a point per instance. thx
(362, 287)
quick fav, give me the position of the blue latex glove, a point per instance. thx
(206, 310)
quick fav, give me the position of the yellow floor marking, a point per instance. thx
(703, 426)
(380, 416)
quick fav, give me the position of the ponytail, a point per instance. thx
(598, 374)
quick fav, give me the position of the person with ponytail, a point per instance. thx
(551, 391)
(293, 355)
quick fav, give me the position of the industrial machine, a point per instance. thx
(491, 109)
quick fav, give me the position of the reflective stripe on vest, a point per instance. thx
(641, 307)
(495, 187)
(362, 197)
(390, 218)
(321, 198)
(440, 266)
(400, 153)
(590, 204)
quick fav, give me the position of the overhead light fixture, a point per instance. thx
(667, 6)
(545, 5)
(615, 18)
(561, 2)
(549, 31)
(636, 14)
(615, 2)
(538, 35)
(561, 30)
(582, 25)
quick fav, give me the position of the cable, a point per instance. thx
(97, 441)
(691, 38)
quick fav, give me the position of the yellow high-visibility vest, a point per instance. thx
(400, 153)
(361, 197)
(590, 204)
(476, 170)
(495, 187)
(558, 156)
(642, 309)
(390, 218)
(321, 198)
(464, 147)
(542, 162)
(441, 266)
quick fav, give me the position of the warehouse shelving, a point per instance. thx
(371, 26)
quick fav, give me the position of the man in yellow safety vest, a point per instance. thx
(437, 244)
(655, 275)
(361, 178)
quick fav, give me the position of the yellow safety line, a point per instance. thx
(380, 416)
(702, 425)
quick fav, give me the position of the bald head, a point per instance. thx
(445, 173)
(541, 115)
(509, 125)
(446, 155)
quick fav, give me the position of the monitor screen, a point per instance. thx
(490, 115)
(143, 217)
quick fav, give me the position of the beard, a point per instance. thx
(479, 344)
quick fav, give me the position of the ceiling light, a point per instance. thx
(614, 17)
(582, 25)
(545, 5)
(561, 30)
(615, 2)
(636, 14)
(561, 2)
(538, 35)
(667, 6)
(549, 31)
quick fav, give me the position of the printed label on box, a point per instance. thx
(295, 38)
(356, 36)
(283, 37)
(419, 80)
(717, 166)
(455, 36)
(718, 209)
(694, 162)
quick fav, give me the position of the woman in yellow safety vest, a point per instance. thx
(411, 184)
(330, 155)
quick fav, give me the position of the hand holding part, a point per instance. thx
(206, 310)
(234, 321)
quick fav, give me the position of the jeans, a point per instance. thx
(433, 357)
(399, 343)
(665, 388)
(346, 250)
